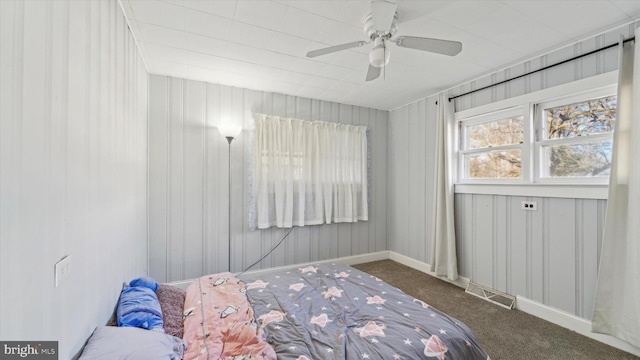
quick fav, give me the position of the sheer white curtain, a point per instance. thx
(617, 305)
(308, 172)
(444, 261)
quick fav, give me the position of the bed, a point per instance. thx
(323, 311)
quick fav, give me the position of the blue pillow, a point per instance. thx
(145, 281)
(139, 307)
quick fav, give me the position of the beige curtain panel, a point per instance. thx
(308, 172)
(617, 304)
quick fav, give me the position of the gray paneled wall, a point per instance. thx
(550, 255)
(585, 67)
(411, 179)
(73, 158)
(189, 179)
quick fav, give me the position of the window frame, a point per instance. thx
(541, 142)
(462, 150)
(531, 184)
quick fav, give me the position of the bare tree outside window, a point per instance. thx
(495, 163)
(579, 159)
(583, 119)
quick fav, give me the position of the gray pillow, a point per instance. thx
(172, 304)
(120, 343)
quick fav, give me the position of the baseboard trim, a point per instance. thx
(572, 322)
(425, 268)
(348, 260)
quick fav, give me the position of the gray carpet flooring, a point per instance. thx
(504, 334)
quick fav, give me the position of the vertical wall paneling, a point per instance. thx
(430, 163)
(416, 181)
(483, 240)
(237, 178)
(379, 178)
(517, 239)
(73, 163)
(501, 211)
(398, 177)
(549, 255)
(214, 185)
(590, 230)
(561, 254)
(34, 119)
(189, 179)
(460, 235)
(176, 190)
(420, 183)
(599, 63)
(538, 237)
(518, 88)
(194, 112)
(11, 16)
(158, 204)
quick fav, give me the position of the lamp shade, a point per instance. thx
(379, 56)
(230, 130)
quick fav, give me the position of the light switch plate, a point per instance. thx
(62, 269)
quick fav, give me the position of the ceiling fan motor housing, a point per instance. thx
(371, 33)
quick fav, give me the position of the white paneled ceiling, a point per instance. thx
(261, 44)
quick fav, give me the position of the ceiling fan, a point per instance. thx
(380, 26)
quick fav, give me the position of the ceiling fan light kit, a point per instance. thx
(379, 27)
(379, 56)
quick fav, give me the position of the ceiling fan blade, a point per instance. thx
(332, 49)
(373, 72)
(438, 46)
(382, 14)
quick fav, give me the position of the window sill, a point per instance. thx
(573, 191)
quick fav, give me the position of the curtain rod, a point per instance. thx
(543, 68)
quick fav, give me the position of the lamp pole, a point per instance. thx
(229, 140)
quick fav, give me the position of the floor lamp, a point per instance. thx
(229, 132)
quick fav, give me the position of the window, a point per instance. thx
(491, 146)
(562, 139)
(575, 138)
(308, 173)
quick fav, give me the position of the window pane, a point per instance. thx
(494, 165)
(583, 118)
(496, 133)
(592, 159)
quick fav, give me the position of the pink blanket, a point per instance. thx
(219, 321)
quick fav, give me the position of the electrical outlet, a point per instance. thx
(62, 269)
(529, 205)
